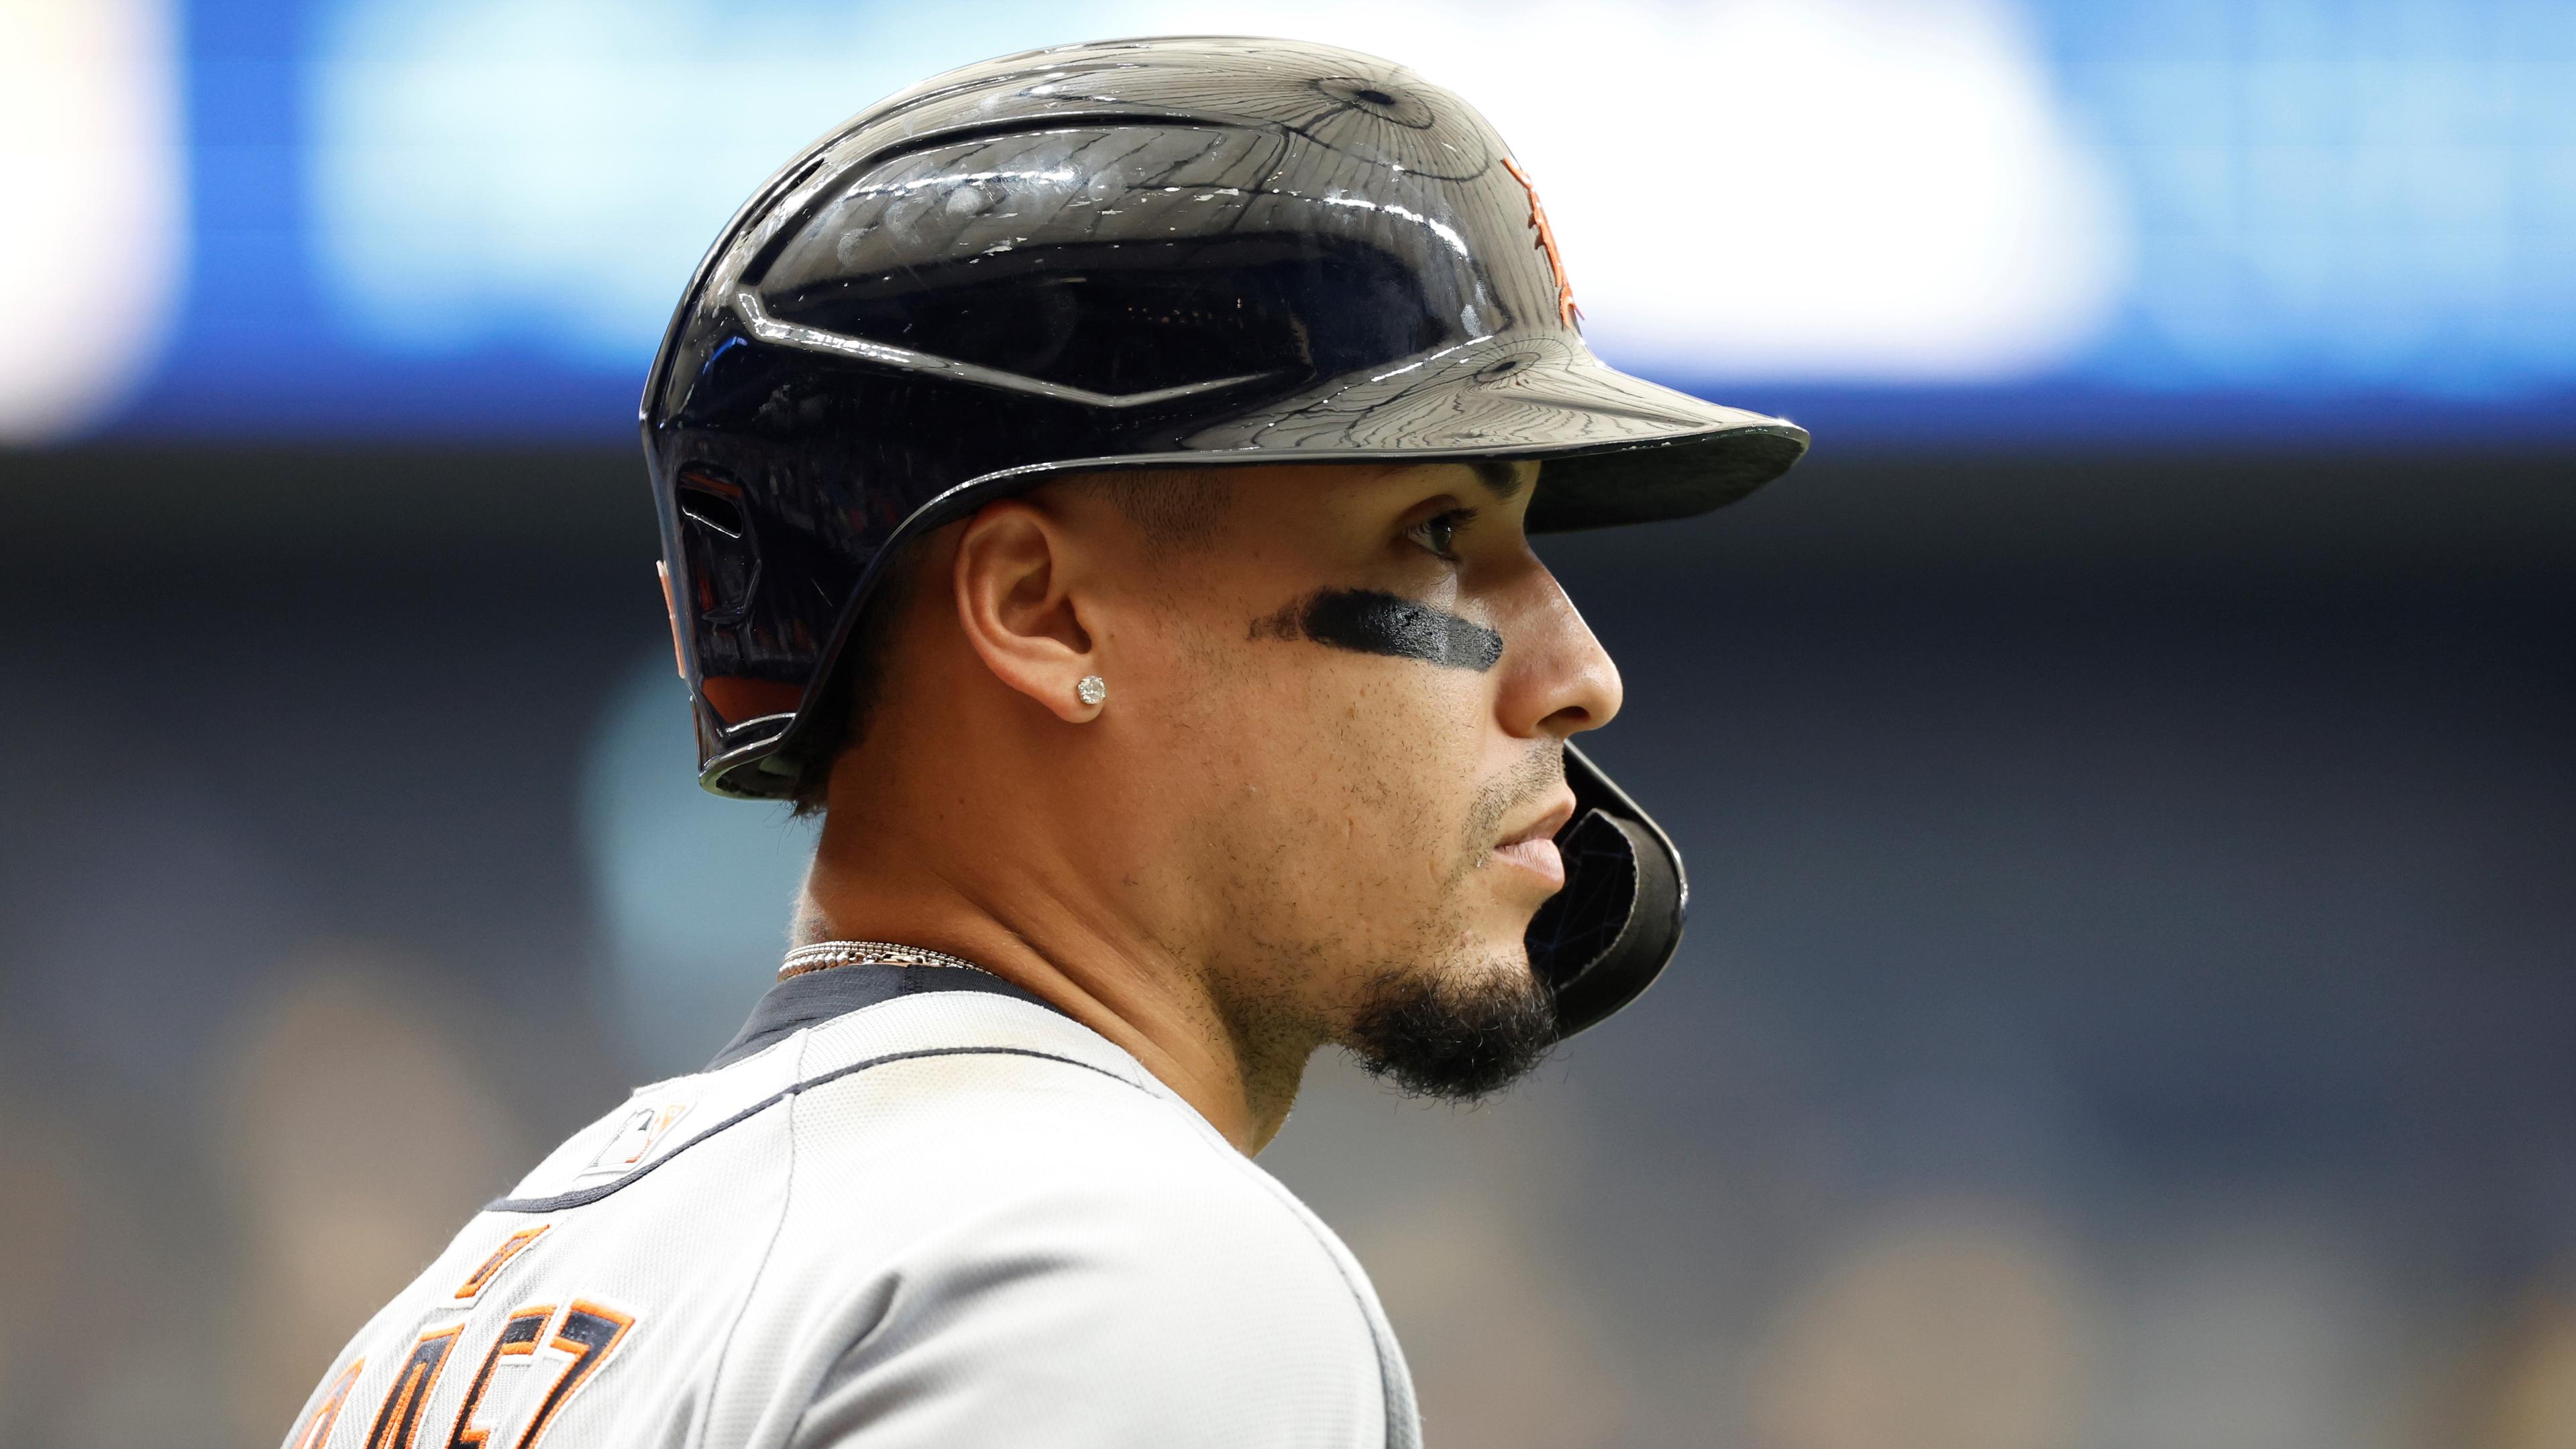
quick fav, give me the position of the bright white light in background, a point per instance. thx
(1871, 190)
(92, 165)
(1864, 189)
(547, 172)
(691, 892)
(2377, 197)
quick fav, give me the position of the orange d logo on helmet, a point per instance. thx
(1567, 313)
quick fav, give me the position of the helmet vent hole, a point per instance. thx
(721, 516)
(723, 557)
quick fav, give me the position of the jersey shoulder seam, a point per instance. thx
(1314, 1233)
(777, 1230)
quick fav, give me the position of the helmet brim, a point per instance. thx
(1619, 449)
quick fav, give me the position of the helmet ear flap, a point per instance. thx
(1601, 941)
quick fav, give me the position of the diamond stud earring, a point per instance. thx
(1092, 689)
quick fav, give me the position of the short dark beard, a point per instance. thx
(1434, 1038)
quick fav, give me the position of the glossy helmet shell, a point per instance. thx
(1187, 251)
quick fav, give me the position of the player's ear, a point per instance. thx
(1014, 574)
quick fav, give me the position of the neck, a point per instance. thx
(1037, 921)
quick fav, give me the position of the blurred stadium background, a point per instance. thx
(2127, 771)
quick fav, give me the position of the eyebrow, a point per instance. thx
(1500, 479)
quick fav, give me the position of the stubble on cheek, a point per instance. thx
(1345, 839)
(1329, 855)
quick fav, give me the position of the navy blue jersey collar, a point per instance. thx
(818, 996)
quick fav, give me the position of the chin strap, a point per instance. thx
(1601, 941)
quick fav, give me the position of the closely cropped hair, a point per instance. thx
(1175, 509)
(863, 666)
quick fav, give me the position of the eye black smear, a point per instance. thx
(1368, 622)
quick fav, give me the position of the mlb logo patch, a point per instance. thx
(636, 1135)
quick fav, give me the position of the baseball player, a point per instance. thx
(1099, 481)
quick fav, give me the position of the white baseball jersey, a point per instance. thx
(909, 1206)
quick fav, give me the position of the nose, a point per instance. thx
(1558, 679)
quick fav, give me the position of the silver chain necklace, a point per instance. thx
(824, 955)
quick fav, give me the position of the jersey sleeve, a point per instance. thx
(1135, 1316)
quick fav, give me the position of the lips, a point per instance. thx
(1533, 847)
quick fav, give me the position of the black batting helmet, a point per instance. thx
(1187, 251)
